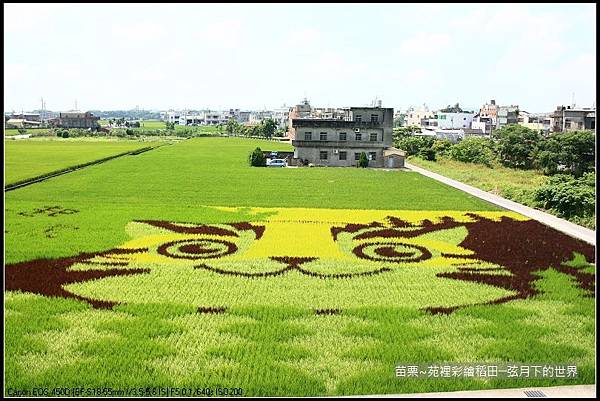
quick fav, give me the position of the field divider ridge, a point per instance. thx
(55, 173)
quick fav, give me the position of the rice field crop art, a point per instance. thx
(310, 301)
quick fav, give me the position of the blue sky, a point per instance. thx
(161, 56)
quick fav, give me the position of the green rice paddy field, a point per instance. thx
(185, 267)
(30, 158)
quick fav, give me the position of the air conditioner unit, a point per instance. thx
(356, 129)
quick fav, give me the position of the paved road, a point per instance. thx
(578, 391)
(562, 225)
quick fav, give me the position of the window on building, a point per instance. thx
(374, 118)
(308, 136)
(323, 136)
(342, 136)
(323, 155)
(356, 155)
(358, 118)
(342, 155)
(372, 155)
(359, 137)
(373, 137)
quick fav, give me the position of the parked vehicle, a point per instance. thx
(277, 163)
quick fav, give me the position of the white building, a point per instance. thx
(454, 120)
(191, 119)
(414, 116)
(171, 116)
(282, 116)
(257, 117)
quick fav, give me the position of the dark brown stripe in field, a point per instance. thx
(196, 229)
(328, 311)
(523, 248)
(292, 264)
(193, 228)
(48, 276)
(212, 309)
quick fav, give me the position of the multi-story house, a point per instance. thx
(416, 116)
(76, 119)
(571, 118)
(507, 115)
(489, 112)
(339, 142)
(454, 120)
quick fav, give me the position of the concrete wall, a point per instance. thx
(454, 120)
(312, 154)
(333, 134)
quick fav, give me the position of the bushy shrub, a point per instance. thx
(363, 161)
(427, 154)
(473, 150)
(257, 158)
(568, 196)
(441, 146)
(412, 145)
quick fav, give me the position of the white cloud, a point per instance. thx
(425, 43)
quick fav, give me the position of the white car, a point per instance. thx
(277, 163)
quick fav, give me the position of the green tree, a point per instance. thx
(441, 147)
(399, 120)
(257, 158)
(412, 145)
(401, 133)
(232, 126)
(518, 146)
(363, 161)
(473, 150)
(268, 127)
(573, 152)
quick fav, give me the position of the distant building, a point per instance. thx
(257, 117)
(483, 124)
(21, 123)
(191, 119)
(507, 115)
(570, 118)
(340, 141)
(489, 112)
(454, 120)
(281, 116)
(76, 119)
(538, 122)
(453, 135)
(30, 117)
(171, 116)
(416, 116)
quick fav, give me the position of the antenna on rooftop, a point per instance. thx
(573, 100)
